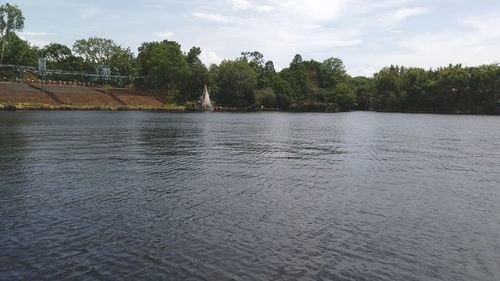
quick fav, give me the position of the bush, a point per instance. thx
(266, 98)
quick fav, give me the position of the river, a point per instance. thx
(248, 196)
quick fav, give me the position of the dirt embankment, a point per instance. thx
(16, 96)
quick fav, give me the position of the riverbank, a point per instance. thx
(34, 106)
(180, 109)
(23, 96)
(18, 96)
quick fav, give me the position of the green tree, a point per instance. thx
(363, 89)
(265, 98)
(255, 60)
(283, 92)
(213, 78)
(265, 70)
(332, 72)
(97, 51)
(449, 89)
(236, 82)
(484, 88)
(414, 86)
(11, 19)
(193, 56)
(163, 66)
(387, 90)
(198, 75)
(345, 97)
(56, 53)
(317, 86)
(100, 52)
(19, 52)
(61, 57)
(268, 76)
(123, 62)
(297, 77)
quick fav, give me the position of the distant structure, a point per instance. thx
(498, 106)
(206, 104)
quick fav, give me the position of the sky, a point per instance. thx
(366, 34)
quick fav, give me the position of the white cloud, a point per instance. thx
(475, 42)
(214, 17)
(163, 35)
(88, 13)
(317, 29)
(478, 40)
(34, 34)
(364, 7)
(365, 34)
(312, 11)
(39, 39)
(36, 41)
(247, 5)
(240, 4)
(401, 14)
(485, 26)
(265, 8)
(154, 6)
(210, 57)
(345, 43)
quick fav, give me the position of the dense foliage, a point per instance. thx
(252, 82)
(11, 20)
(451, 89)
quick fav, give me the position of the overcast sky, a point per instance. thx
(365, 34)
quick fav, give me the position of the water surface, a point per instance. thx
(261, 196)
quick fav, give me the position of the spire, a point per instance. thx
(205, 102)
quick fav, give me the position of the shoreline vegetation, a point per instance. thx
(247, 83)
(5, 107)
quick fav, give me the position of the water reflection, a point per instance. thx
(13, 166)
(136, 195)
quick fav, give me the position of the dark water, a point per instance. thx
(156, 196)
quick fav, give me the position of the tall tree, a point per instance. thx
(198, 75)
(11, 19)
(60, 57)
(387, 89)
(236, 82)
(297, 77)
(95, 50)
(123, 62)
(163, 66)
(56, 53)
(255, 59)
(100, 52)
(19, 51)
(193, 56)
(267, 76)
(332, 72)
(363, 89)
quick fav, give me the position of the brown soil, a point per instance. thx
(131, 97)
(80, 95)
(22, 93)
(23, 96)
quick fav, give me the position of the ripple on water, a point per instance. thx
(149, 196)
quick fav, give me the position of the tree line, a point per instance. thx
(250, 81)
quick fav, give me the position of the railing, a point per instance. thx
(17, 74)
